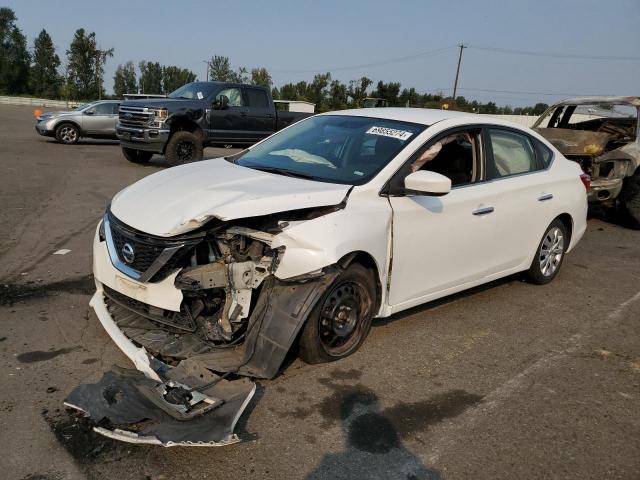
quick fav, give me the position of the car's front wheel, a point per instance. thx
(184, 147)
(136, 156)
(341, 319)
(550, 254)
(67, 133)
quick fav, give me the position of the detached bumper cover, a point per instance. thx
(128, 406)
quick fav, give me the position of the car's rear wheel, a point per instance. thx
(341, 319)
(67, 133)
(550, 254)
(184, 147)
(629, 201)
(136, 156)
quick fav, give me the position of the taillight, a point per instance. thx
(586, 181)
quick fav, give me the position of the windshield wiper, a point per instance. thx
(284, 171)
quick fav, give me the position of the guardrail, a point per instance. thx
(37, 102)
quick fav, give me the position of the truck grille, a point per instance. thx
(137, 117)
(147, 249)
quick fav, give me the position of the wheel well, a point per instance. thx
(184, 124)
(65, 122)
(567, 221)
(367, 261)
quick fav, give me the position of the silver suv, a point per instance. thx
(93, 120)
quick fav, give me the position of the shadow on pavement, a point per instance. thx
(373, 446)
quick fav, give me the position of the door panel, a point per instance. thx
(260, 116)
(230, 124)
(101, 122)
(438, 242)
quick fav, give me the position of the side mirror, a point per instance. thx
(221, 103)
(424, 182)
(89, 112)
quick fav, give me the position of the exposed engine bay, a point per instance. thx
(236, 319)
(599, 133)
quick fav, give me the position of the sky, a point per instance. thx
(409, 41)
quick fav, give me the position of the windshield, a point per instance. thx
(82, 106)
(332, 148)
(197, 90)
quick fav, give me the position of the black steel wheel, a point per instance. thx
(342, 317)
(184, 147)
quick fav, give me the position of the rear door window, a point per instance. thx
(257, 98)
(512, 154)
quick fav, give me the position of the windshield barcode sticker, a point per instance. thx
(390, 132)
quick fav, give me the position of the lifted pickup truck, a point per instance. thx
(196, 115)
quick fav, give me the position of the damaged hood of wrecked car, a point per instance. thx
(180, 199)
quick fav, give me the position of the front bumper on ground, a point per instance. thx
(147, 139)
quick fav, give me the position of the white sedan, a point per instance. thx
(220, 266)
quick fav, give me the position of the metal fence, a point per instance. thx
(37, 102)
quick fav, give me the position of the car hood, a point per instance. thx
(180, 199)
(58, 114)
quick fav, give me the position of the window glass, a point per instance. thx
(102, 109)
(234, 96)
(332, 148)
(544, 153)
(115, 107)
(257, 98)
(513, 153)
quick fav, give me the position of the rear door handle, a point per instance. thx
(243, 114)
(547, 196)
(269, 115)
(483, 211)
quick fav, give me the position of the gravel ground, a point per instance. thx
(509, 381)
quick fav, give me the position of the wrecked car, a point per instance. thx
(210, 273)
(601, 134)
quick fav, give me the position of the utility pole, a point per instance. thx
(455, 85)
(208, 66)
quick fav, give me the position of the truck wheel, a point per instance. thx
(183, 147)
(136, 156)
(67, 133)
(629, 201)
(341, 319)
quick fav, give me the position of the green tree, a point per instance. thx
(539, 108)
(85, 66)
(124, 80)
(358, 90)
(150, 77)
(45, 79)
(260, 76)
(338, 95)
(14, 56)
(174, 77)
(220, 70)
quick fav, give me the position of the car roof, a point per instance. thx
(427, 116)
(423, 116)
(635, 101)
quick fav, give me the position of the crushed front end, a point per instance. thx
(196, 314)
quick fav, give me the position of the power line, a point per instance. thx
(554, 55)
(373, 64)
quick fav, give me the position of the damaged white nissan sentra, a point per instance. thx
(209, 273)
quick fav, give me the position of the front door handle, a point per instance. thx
(243, 114)
(547, 196)
(483, 211)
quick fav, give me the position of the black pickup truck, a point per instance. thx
(197, 115)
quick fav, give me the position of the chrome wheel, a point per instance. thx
(68, 134)
(551, 251)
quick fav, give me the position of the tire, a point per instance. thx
(545, 265)
(629, 202)
(342, 316)
(183, 147)
(67, 133)
(136, 156)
